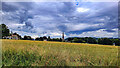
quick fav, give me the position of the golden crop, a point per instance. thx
(46, 53)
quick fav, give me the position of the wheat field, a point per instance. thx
(46, 53)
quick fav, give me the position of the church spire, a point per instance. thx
(63, 36)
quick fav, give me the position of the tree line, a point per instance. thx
(105, 41)
(92, 40)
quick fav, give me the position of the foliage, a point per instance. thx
(44, 37)
(5, 30)
(39, 39)
(56, 39)
(27, 38)
(92, 40)
(49, 39)
(116, 41)
(78, 40)
(104, 41)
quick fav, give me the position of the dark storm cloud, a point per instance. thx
(110, 30)
(85, 30)
(8, 8)
(18, 12)
(65, 9)
(28, 25)
(62, 28)
(11, 6)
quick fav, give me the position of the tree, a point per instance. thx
(37, 38)
(5, 30)
(56, 39)
(69, 39)
(81, 41)
(91, 40)
(75, 40)
(49, 39)
(105, 41)
(60, 40)
(27, 38)
(41, 38)
(117, 42)
(44, 37)
(78, 40)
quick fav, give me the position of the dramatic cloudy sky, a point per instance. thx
(86, 19)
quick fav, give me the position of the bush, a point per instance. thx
(105, 41)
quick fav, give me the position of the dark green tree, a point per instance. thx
(27, 38)
(49, 39)
(105, 41)
(41, 39)
(91, 40)
(44, 37)
(75, 40)
(78, 40)
(5, 30)
(37, 38)
(116, 41)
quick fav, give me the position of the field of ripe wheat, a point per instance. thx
(45, 53)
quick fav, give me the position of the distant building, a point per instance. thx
(14, 36)
(7, 37)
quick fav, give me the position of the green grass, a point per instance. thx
(43, 53)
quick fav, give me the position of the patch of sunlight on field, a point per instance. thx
(45, 53)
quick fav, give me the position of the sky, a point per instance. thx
(76, 19)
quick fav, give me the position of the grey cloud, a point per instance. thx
(59, 15)
(8, 8)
